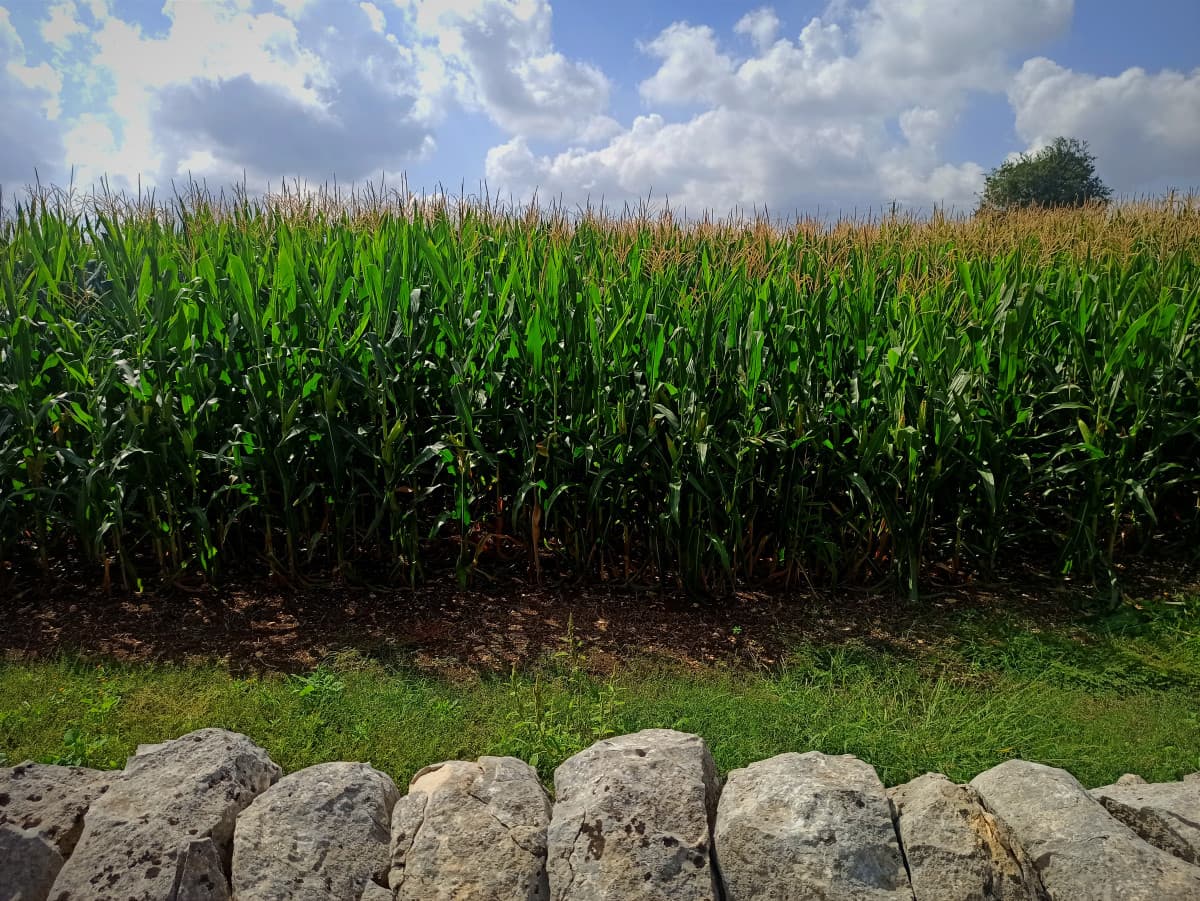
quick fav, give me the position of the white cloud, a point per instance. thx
(1143, 128)
(725, 159)
(42, 80)
(854, 107)
(226, 91)
(294, 9)
(923, 127)
(299, 87)
(62, 24)
(30, 133)
(807, 120)
(10, 41)
(598, 129)
(498, 56)
(89, 142)
(375, 16)
(692, 67)
(965, 43)
(760, 25)
(882, 58)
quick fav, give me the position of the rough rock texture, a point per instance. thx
(203, 818)
(956, 850)
(320, 833)
(1166, 814)
(632, 820)
(1080, 852)
(140, 837)
(51, 800)
(199, 873)
(28, 864)
(808, 826)
(471, 830)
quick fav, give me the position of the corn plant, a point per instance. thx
(316, 381)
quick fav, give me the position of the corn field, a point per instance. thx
(316, 384)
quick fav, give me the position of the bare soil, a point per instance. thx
(257, 625)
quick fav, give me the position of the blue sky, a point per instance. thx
(714, 104)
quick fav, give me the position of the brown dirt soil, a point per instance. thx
(258, 625)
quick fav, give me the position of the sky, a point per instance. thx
(717, 105)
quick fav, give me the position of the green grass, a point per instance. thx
(383, 383)
(1099, 699)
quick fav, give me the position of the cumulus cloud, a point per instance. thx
(294, 8)
(1144, 128)
(930, 42)
(271, 133)
(856, 106)
(760, 25)
(278, 88)
(227, 92)
(502, 61)
(875, 60)
(806, 120)
(30, 133)
(692, 68)
(62, 24)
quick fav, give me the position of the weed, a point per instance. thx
(561, 711)
(319, 686)
(81, 748)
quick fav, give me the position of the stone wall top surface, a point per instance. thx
(206, 817)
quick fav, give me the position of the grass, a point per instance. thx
(380, 381)
(1099, 698)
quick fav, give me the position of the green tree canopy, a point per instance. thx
(1061, 174)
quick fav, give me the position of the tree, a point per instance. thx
(1061, 174)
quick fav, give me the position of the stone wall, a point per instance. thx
(208, 817)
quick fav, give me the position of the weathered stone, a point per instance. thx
(1079, 851)
(51, 800)
(1131, 779)
(29, 861)
(1166, 814)
(637, 817)
(956, 850)
(808, 826)
(139, 838)
(632, 820)
(199, 874)
(320, 833)
(471, 830)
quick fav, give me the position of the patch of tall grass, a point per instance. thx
(381, 379)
